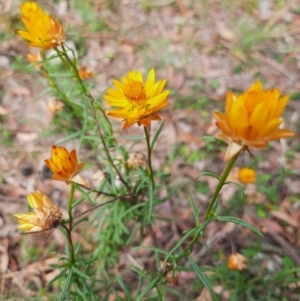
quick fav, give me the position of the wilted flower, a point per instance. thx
(237, 262)
(46, 215)
(54, 105)
(252, 119)
(85, 73)
(170, 273)
(35, 58)
(65, 166)
(137, 101)
(247, 175)
(136, 160)
(43, 31)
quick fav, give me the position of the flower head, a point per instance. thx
(137, 101)
(65, 166)
(237, 262)
(34, 58)
(54, 105)
(247, 175)
(46, 215)
(85, 73)
(252, 119)
(43, 31)
(136, 160)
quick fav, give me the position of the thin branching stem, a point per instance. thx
(210, 210)
(64, 56)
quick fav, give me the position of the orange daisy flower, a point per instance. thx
(65, 166)
(43, 31)
(252, 119)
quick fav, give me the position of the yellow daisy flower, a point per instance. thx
(46, 215)
(252, 119)
(65, 166)
(247, 175)
(43, 31)
(137, 101)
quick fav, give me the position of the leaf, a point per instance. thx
(139, 286)
(140, 186)
(61, 274)
(135, 138)
(203, 278)
(241, 188)
(194, 211)
(86, 195)
(66, 286)
(238, 221)
(124, 288)
(208, 173)
(162, 175)
(150, 286)
(156, 135)
(70, 137)
(154, 249)
(179, 243)
(84, 219)
(81, 274)
(204, 225)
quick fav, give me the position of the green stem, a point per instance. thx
(91, 101)
(210, 208)
(149, 156)
(220, 185)
(70, 202)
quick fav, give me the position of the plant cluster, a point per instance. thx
(129, 190)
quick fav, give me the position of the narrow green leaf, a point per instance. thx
(70, 137)
(143, 274)
(139, 286)
(78, 202)
(194, 211)
(84, 219)
(85, 194)
(162, 175)
(140, 186)
(79, 273)
(150, 286)
(238, 185)
(208, 173)
(179, 243)
(204, 225)
(61, 274)
(202, 278)
(238, 221)
(66, 286)
(135, 138)
(156, 135)
(154, 249)
(124, 288)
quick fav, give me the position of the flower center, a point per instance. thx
(135, 92)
